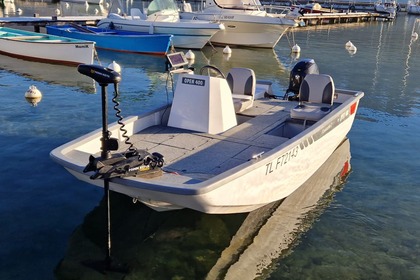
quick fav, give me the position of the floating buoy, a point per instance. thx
(349, 44)
(296, 49)
(19, 11)
(295, 56)
(352, 48)
(115, 66)
(33, 95)
(227, 50)
(57, 12)
(190, 55)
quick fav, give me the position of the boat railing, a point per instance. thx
(277, 9)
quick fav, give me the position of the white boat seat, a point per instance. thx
(137, 14)
(187, 7)
(263, 88)
(316, 95)
(115, 16)
(242, 83)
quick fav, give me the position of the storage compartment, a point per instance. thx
(290, 128)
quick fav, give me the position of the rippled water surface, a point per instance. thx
(368, 230)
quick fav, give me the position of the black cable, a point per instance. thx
(120, 118)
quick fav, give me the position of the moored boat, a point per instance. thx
(116, 40)
(246, 23)
(311, 8)
(413, 7)
(387, 8)
(45, 48)
(222, 145)
(163, 18)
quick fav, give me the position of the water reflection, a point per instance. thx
(192, 245)
(50, 73)
(264, 62)
(151, 63)
(414, 37)
(82, 8)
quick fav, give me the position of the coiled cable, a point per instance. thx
(120, 118)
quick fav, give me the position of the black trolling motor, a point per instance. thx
(108, 165)
(133, 161)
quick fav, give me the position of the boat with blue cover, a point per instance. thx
(115, 39)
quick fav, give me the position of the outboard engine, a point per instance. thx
(298, 73)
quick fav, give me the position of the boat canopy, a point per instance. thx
(160, 5)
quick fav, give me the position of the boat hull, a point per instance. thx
(117, 40)
(245, 30)
(55, 50)
(187, 34)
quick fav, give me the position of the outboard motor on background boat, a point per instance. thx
(298, 73)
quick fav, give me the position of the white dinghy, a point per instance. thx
(217, 149)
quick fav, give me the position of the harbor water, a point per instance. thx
(367, 228)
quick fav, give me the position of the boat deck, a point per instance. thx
(184, 150)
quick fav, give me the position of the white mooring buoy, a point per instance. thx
(349, 44)
(296, 48)
(115, 66)
(227, 50)
(190, 55)
(33, 95)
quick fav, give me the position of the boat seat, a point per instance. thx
(135, 13)
(187, 7)
(115, 16)
(316, 95)
(242, 83)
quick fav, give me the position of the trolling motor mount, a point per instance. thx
(124, 165)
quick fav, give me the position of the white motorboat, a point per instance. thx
(246, 22)
(222, 145)
(163, 18)
(388, 8)
(413, 7)
(311, 8)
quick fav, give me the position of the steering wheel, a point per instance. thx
(211, 68)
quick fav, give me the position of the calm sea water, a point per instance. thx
(368, 231)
